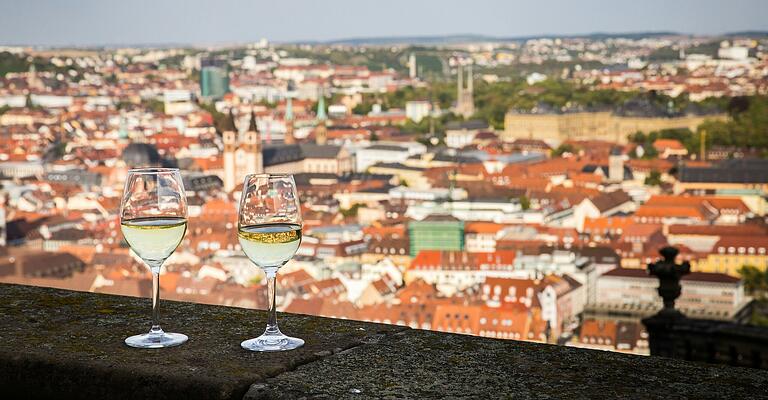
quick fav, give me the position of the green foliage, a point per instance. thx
(653, 179)
(494, 100)
(4, 109)
(218, 118)
(748, 127)
(123, 105)
(351, 211)
(111, 79)
(20, 63)
(684, 135)
(670, 53)
(756, 285)
(362, 108)
(155, 105)
(562, 149)
(525, 202)
(755, 281)
(12, 63)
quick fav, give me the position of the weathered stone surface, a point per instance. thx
(56, 343)
(420, 364)
(61, 344)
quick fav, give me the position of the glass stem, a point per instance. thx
(272, 328)
(156, 303)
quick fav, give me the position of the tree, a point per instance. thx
(756, 284)
(525, 202)
(351, 211)
(155, 105)
(755, 281)
(562, 149)
(653, 179)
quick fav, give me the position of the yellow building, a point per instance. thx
(731, 253)
(603, 125)
(729, 263)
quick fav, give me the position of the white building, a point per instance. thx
(380, 153)
(460, 134)
(453, 271)
(469, 210)
(417, 110)
(704, 295)
(178, 102)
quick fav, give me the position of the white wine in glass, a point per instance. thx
(269, 231)
(153, 219)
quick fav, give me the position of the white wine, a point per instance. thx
(155, 238)
(270, 245)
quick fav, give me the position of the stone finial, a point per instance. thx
(669, 275)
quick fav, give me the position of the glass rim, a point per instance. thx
(268, 176)
(152, 170)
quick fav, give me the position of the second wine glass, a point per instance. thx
(269, 231)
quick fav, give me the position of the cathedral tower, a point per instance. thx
(321, 131)
(289, 138)
(465, 103)
(229, 133)
(254, 161)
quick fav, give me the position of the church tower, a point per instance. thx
(465, 103)
(321, 131)
(289, 138)
(254, 161)
(615, 166)
(230, 145)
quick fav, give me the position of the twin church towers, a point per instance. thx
(244, 152)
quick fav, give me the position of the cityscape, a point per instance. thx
(508, 188)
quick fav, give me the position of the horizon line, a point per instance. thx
(394, 39)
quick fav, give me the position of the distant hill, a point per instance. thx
(472, 38)
(751, 34)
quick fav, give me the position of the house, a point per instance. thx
(480, 237)
(604, 205)
(377, 291)
(380, 153)
(452, 271)
(667, 148)
(704, 295)
(461, 133)
(732, 252)
(668, 210)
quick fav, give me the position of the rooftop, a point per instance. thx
(70, 344)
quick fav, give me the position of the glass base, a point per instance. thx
(156, 340)
(272, 342)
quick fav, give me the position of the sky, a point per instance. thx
(142, 22)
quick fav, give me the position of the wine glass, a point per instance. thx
(153, 218)
(269, 231)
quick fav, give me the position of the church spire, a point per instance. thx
(289, 138)
(321, 131)
(229, 123)
(252, 125)
(289, 109)
(321, 115)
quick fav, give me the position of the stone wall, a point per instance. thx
(65, 344)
